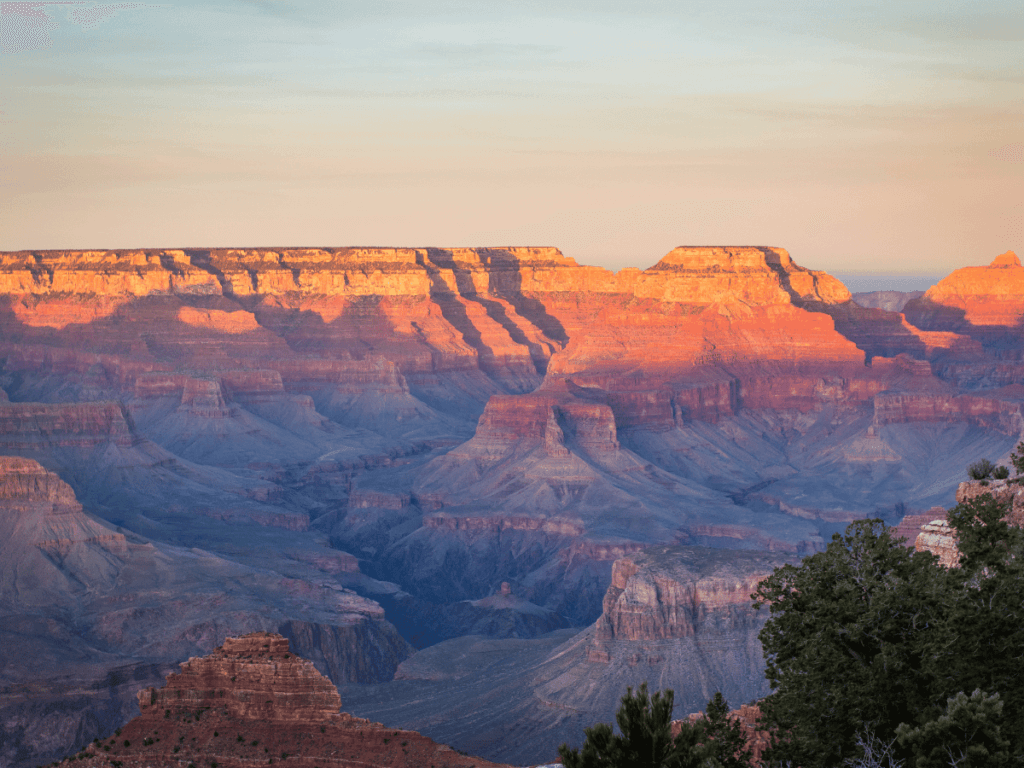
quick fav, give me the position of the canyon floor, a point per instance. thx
(482, 490)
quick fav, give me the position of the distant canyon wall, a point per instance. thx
(703, 333)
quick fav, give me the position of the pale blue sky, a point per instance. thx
(862, 137)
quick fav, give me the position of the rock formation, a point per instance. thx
(51, 553)
(671, 609)
(974, 296)
(253, 701)
(97, 613)
(666, 593)
(675, 617)
(301, 436)
(939, 538)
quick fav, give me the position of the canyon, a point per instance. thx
(400, 458)
(266, 701)
(675, 617)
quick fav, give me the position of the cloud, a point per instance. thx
(92, 17)
(26, 26)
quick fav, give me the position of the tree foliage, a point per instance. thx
(871, 637)
(841, 645)
(980, 469)
(1017, 458)
(720, 738)
(967, 734)
(645, 741)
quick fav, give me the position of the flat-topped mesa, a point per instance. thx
(254, 677)
(520, 422)
(687, 274)
(503, 311)
(104, 273)
(973, 296)
(713, 306)
(752, 274)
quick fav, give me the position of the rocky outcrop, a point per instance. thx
(679, 592)
(1009, 492)
(242, 679)
(41, 426)
(910, 526)
(1002, 413)
(676, 617)
(253, 700)
(939, 538)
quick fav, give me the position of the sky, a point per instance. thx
(864, 137)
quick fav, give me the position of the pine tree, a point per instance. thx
(966, 735)
(868, 637)
(646, 741)
(722, 737)
(845, 647)
(713, 741)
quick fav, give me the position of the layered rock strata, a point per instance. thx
(253, 701)
(459, 418)
(51, 552)
(675, 617)
(441, 312)
(668, 593)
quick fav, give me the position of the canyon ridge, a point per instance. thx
(482, 490)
